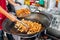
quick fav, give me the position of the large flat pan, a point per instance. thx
(41, 17)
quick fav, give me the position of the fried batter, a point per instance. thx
(22, 12)
(34, 27)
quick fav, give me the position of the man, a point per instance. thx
(2, 17)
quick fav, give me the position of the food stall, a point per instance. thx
(41, 17)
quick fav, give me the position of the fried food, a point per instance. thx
(34, 27)
(22, 12)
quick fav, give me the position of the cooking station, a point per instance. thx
(51, 33)
(48, 17)
(41, 17)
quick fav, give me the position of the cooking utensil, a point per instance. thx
(11, 17)
(41, 17)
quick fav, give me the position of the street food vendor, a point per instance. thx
(2, 17)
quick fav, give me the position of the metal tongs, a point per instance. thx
(11, 17)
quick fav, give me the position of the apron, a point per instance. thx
(2, 17)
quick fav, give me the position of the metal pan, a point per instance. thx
(41, 17)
